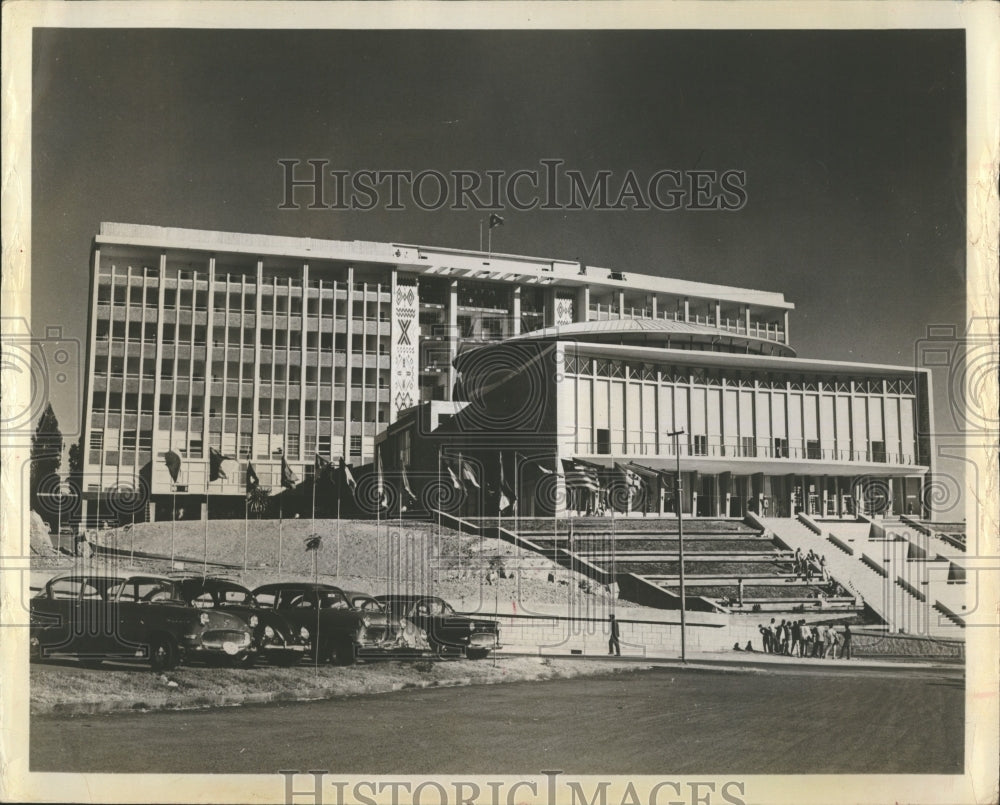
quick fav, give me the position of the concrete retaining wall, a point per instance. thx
(590, 636)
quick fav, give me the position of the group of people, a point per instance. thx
(809, 565)
(798, 639)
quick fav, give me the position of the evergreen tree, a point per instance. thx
(46, 452)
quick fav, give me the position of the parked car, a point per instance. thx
(412, 636)
(447, 631)
(341, 633)
(274, 639)
(112, 617)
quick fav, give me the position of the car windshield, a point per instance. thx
(434, 606)
(328, 599)
(367, 604)
(210, 595)
(139, 589)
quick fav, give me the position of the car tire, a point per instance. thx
(247, 661)
(344, 653)
(477, 653)
(163, 653)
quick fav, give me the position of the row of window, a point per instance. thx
(590, 367)
(247, 301)
(745, 447)
(139, 445)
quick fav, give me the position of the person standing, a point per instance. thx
(796, 638)
(846, 650)
(614, 647)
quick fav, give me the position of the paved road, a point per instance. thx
(654, 722)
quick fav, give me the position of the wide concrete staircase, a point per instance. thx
(906, 586)
(729, 566)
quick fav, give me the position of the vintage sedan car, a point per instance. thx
(446, 630)
(274, 639)
(98, 617)
(340, 632)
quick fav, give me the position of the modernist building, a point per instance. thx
(272, 349)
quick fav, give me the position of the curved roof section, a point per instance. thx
(653, 332)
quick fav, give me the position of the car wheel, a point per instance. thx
(246, 661)
(162, 654)
(343, 653)
(477, 653)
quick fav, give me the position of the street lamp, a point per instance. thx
(680, 539)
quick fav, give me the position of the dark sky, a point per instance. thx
(853, 144)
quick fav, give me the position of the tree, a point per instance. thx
(257, 500)
(46, 453)
(75, 458)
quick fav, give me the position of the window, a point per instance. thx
(812, 449)
(292, 445)
(781, 448)
(748, 447)
(355, 445)
(878, 451)
(700, 445)
(129, 439)
(97, 440)
(194, 448)
(603, 441)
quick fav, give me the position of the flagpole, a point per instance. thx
(246, 534)
(173, 522)
(438, 513)
(279, 531)
(204, 561)
(340, 479)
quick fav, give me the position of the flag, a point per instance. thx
(215, 459)
(545, 470)
(405, 483)
(323, 468)
(173, 462)
(467, 473)
(348, 478)
(508, 497)
(454, 478)
(495, 220)
(252, 480)
(632, 479)
(288, 478)
(314, 543)
(379, 479)
(581, 476)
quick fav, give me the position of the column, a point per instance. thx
(515, 310)
(348, 353)
(581, 307)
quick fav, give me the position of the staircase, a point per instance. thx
(878, 567)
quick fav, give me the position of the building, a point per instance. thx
(277, 349)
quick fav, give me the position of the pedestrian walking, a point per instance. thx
(614, 647)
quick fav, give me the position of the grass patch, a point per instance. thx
(66, 687)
